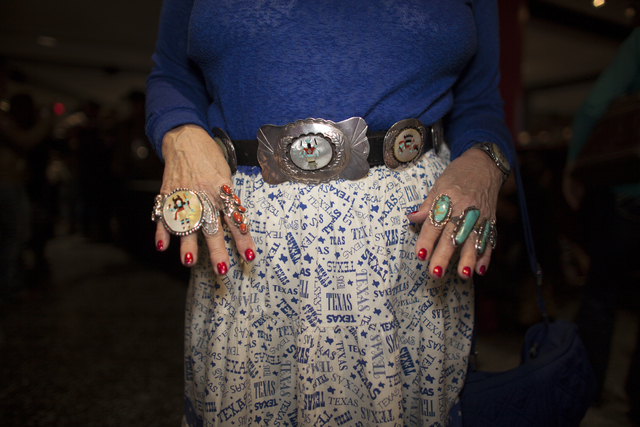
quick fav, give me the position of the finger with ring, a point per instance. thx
(440, 210)
(184, 211)
(464, 224)
(233, 209)
(486, 233)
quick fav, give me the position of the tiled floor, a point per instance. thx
(102, 346)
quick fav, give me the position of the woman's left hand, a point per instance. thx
(470, 180)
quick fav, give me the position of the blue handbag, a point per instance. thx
(553, 386)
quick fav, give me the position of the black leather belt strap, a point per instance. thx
(247, 149)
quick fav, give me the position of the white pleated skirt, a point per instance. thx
(335, 322)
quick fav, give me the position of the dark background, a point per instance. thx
(96, 338)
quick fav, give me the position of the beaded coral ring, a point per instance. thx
(233, 209)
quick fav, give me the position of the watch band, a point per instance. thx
(498, 157)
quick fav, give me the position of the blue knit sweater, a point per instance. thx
(239, 64)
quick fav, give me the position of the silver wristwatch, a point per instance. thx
(496, 155)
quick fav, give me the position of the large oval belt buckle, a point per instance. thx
(313, 151)
(404, 144)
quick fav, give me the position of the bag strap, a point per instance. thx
(536, 269)
(528, 236)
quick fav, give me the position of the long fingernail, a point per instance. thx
(483, 269)
(188, 258)
(422, 254)
(249, 254)
(437, 271)
(466, 272)
(222, 269)
(159, 245)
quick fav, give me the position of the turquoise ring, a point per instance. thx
(440, 210)
(486, 233)
(465, 224)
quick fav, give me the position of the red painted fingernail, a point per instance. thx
(483, 269)
(466, 271)
(249, 254)
(412, 213)
(437, 271)
(422, 254)
(222, 268)
(188, 258)
(160, 245)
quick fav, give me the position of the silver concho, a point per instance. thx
(404, 144)
(224, 142)
(313, 151)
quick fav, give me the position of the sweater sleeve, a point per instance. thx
(176, 92)
(616, 80)
(477, 114)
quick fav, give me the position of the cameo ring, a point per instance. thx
(233, 209)
(185, 211)
(440, 210)
(465, 223)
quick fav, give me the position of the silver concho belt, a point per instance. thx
(316, 150)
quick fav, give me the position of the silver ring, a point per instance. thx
(210, 215)
(493, 234)
(465, 224)
(185, 211)
(486, 233)
(440, 211)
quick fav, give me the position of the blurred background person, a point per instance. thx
(23, 129)
(136, 176)
(90, 161)
(611, 223)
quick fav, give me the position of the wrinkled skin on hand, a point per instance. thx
(470, 180)
(193, 160)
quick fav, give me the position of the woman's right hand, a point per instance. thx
(193, 160)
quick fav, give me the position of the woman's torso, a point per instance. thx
(272, 62)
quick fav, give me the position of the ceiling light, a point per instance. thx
(598, 3)
(58, 108)
(142, 152)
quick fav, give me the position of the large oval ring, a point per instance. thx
(486, 233)
(440, 211)
(184, 211)
(464, 223)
